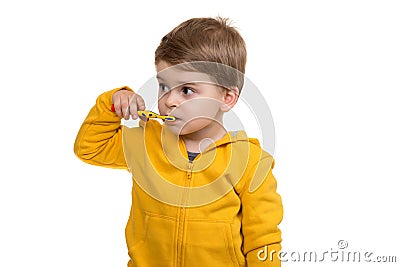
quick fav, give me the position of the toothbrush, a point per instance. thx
(150, 114)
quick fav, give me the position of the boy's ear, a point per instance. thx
(231, 96)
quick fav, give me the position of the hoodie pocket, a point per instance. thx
(156, 246)
(210, 243)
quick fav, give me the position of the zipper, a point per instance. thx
(182, 214)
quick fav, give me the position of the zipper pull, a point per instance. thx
(189, 170)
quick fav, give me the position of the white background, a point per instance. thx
(329, 71)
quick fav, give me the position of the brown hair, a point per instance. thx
(204, 39)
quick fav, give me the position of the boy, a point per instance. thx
(201, 196)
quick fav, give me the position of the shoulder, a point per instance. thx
(249, 146)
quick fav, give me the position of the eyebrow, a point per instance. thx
(185, 83)
(179, 83)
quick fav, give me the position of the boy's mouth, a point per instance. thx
(169, 121)
(176, 118)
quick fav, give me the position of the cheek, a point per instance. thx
(203, 107)
(161, 104)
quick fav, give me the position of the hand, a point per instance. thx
(127, 103)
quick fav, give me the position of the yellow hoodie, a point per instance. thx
(222, 209)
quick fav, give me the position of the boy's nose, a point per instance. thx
(171, 99)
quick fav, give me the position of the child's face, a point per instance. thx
(191, 97)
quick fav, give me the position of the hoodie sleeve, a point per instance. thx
(262, 213)
(99, 140)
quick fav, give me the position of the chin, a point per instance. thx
(189, 127)
(174, 129)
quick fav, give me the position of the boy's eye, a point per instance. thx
(163, 87)
(187, 90)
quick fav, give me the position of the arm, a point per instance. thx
(262, 212)
(99, 140)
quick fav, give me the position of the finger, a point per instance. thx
(133, 109)
(117, 106)
(125, 107)
(140, 103)
(127, 113)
